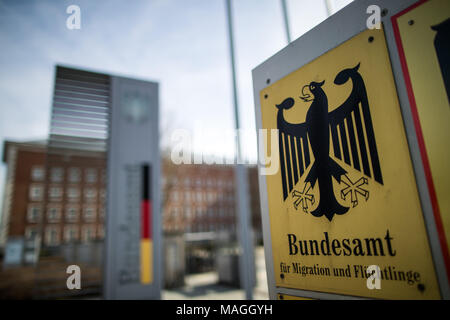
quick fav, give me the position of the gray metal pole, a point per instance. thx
(246, 260)
(286, 20)
(329, 8)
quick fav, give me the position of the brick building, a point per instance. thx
(63, 204)
(61, 195)
(201, 198)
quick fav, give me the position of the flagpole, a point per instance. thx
(286, 20)
(246, 257)
(329, 7)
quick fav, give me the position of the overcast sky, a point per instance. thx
(182, 44)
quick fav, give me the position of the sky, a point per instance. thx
(182, 44)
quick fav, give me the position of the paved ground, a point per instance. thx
(198, 287)
(205, 287)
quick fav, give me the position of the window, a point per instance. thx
(74, 175)
(188, 212)
(56, 174)
(89, 213)
(173, 212)
(102, 195)
(31, 233)
(91, 175)
(101, 212)
(55, 193)
(52, 236)
(90, 194)
(37, 173)
(36, 192)
(173, 181)
(72, 213)
(87, 233)
(101, 231)
(73, 193)
(53, 214)
(34, 213)
(70, 233)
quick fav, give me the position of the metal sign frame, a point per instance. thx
(332, 32)
(420, 129)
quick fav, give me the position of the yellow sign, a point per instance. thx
(282, 296)
(423, 38)
(345, 196)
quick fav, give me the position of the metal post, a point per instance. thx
(286, 20)
(329, 8)
(244, 233)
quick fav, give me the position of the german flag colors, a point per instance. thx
(146, 227)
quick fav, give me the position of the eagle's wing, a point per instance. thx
(294, 149)
(357, 138)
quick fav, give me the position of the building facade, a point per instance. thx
(61, 197)
(61, 203)
(201, 198)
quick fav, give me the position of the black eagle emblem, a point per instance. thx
(356, 139)
(442, 46)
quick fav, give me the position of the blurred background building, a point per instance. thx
(64, 207)
(201, 198)
(70, 209)
(197, 198)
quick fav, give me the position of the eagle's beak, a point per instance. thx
(306, 96)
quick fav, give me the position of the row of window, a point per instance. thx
(200, 227)
(72, 213)
(199, 212)
(55, 193)
(198, 181)
(52, 234)
(199, 196)
(57, 174)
